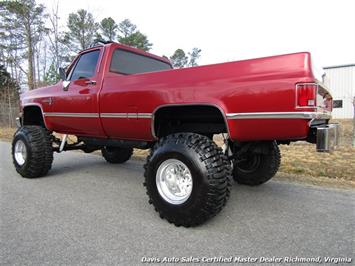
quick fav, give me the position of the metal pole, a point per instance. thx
(62, 144)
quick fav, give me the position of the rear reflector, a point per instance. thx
(328, 103)
(306, 95)
(324, 99)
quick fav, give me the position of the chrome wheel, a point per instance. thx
(174, 181)
(20, 152)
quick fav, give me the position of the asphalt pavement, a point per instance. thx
(89, 212)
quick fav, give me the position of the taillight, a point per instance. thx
(306, 95)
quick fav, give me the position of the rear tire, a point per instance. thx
(32, 151)
(116, 155)
(258, 168)
(200, 174)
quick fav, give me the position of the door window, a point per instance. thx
(86, 65)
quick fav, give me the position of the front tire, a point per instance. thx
(32, 151)
(256, 168)
(116, 154)
(187, 178)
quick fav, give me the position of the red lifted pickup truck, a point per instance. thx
(115, 98)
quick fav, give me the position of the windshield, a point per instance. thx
(125, 62)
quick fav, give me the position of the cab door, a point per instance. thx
(75, 108)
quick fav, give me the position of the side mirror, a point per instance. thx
(66, 84)
(63, 77)
(62, 74)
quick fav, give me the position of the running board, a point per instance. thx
(116, 143)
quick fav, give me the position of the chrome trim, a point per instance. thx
(132, 115)
(145, 115)
(102, 115)
(126, 115)
(90, 82)
(280, 115)
(81, 115)
(328, 137)
(113, 115)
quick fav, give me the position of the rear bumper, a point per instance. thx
(328, 137)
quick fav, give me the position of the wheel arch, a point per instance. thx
(33, 115)
(186, 107)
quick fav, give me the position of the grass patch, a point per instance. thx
(302, 158)
(6, 133)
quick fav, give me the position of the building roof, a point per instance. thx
(339, 66)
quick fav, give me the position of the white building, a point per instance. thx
(341, 82)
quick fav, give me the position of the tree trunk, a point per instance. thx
(30, 64)
(44, 60)
(31, 68)
(37, 62)
(9, 106)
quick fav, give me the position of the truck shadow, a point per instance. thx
(88, 163)
(95, 166)
(271, 201)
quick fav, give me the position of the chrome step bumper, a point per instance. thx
(328, 137)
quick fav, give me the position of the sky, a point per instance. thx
(228, 30)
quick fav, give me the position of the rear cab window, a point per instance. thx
(128, 63)
(85, 66)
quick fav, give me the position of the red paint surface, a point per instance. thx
(256, 85)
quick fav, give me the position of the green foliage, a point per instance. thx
(59, 41)
(129, 35)
(126, 28)
(5, 78)
(82, 29)
(108, 29)
(27, 47)
(23, 21)
(52, 75)
(179, 59)
(194, 56)
(8, 84)
(24, 18)
(138, 40)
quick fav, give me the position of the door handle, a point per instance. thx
(90, 82)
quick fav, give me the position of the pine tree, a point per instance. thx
(82, 30)
(24, 22)
(129, 35)
(108, 29)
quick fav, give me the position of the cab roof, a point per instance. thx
(115, 45)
